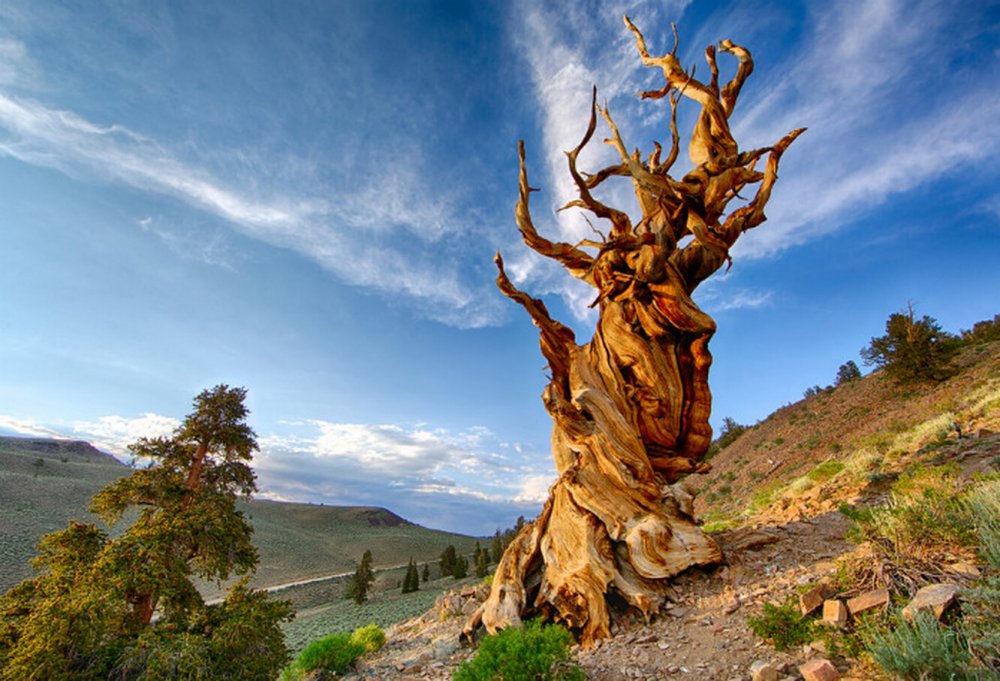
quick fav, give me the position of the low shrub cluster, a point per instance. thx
(335, 653)
(534, 652)
(783, 625)
(933, 520)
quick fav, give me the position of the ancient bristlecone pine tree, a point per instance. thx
(631, 407)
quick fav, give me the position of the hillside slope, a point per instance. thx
(772, 502)
(45, 483)
(783, 465)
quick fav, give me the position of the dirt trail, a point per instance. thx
(702, 636)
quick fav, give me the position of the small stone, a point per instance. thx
(965, 569)
(868, 601)
(812, 599)
(819, 669)
(834, 612)
(934, 597)
(762, 670)
(732, 606)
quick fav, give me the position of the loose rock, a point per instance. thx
(868, 601)
(819, 669)
(934, 597)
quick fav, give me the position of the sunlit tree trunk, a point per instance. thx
(631, 407)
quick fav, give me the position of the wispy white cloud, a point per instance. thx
(20, 426)
(570, 49)
(876, 83)
(14, 61)
(353, 232)
(115, 433)
(211, 248)
(426, 474)
(886, 114)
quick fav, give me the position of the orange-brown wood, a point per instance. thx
(630, 408)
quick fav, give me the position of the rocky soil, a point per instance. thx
(703, 635)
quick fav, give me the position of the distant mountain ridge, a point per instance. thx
(54, 448)
(45, 482)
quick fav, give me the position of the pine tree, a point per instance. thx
(411, 582)
(482, 563)
(448, 557)
(89, 613)
(427, 573)
(460, 568)
(913, 349)
(362, 580)
(848, 372)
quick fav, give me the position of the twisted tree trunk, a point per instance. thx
(631, 407)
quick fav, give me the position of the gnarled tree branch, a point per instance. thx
(630, 408)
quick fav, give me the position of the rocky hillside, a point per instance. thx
(771, 501)
(793, 460)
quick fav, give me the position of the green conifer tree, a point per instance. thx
(448, 557)
(411, 581)
(89, 612)
(460, 568)
(362, 580)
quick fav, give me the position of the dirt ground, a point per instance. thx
(703, 634)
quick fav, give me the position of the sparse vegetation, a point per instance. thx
(534, 652)
(913, 349)
(783, 625)
(848, 372)
(923, 650)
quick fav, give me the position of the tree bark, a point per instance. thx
(631, 407)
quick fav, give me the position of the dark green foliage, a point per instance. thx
(728, 434)
(237, 639)
(460, 568)
(481, 560)
(502, 538)
(783, 625)
(986, 331)
(362, 580)
(534, 652)
(411, 581)
(912, 349)
(448, 558)
(333, 653)
(426, 575)
(89, 611)
(848, 372)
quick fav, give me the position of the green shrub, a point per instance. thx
(534, 652)
(983, 504)
(783, 625)
(913, 349)
(370, 636)
(922, 651)
(333, 653)
(825, 471)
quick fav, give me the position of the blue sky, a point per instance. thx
(304, 198)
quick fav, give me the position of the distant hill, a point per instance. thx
(45, 483)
